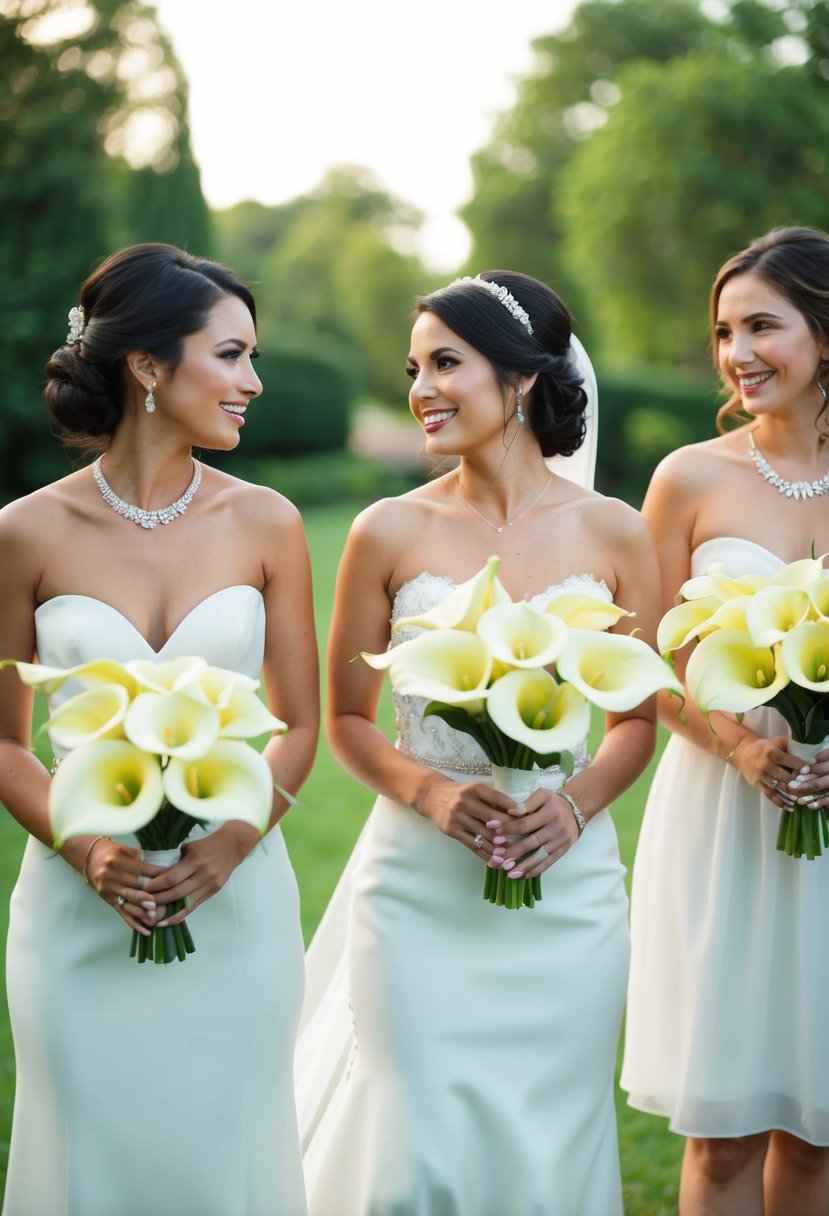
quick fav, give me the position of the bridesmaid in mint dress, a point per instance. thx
(149, 1089)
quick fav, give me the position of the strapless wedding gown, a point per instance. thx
(729, 986)
(457, 1059)
(149, 1090)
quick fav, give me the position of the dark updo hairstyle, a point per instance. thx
(555, 407)
(146, 297)
(795, 263)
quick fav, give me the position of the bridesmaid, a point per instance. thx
(479, 1078)
(149, 1089)
(729, 984)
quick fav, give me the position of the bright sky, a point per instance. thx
(282, 89)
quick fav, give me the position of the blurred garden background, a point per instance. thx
(646, 143)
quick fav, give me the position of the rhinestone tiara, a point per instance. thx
(503, 296)
(77, 322)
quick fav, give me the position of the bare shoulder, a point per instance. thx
(254, 505)
(617, 522)
(32, 526)
(697, 464)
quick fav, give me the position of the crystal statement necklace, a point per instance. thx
(792, 489)
(137, 515)
(509, 522)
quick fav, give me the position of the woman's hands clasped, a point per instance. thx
(497, 829)
(139, 892)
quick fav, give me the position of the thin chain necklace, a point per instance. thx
(510, 522)
(792, 489)
(137, 515)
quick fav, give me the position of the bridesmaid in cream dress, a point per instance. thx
(151, 1090)
(476, 1077)
(729, 988)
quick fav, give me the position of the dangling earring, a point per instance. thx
(821, 369)
(149, 400)
(519, 401)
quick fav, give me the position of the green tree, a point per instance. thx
(695, 159)
(95, 154)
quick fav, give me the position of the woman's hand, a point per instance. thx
(548, 829)
(470, 812)
(206, 865)
(768, 766)
(812, 789)
(114, 870)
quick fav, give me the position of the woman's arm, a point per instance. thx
(360, 622)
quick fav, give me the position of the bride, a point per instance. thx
(479, 1074)
(164, 1090)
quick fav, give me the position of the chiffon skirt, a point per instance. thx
(729, 986)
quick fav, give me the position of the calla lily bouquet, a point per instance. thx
(155, 748)
(760, 641)
(520, 680)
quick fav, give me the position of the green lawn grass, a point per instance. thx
(320, 834)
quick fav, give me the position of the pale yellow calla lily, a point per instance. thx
(614, 671)
(50, 679)
(450, 665)
(730, 615)
(216, 685)
(805, 655)
(168, 675)
(172, 724)
(719, 583)
(233, 781)
(520, 635)
(582, 611)
(532, 709)
(728, 672)
(818, 593)
(109, 787)
(772, 612)
(97, 713)
(242, 715)
(467, 603)
(684, 622)
(800, 573)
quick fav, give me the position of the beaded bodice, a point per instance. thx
(429, 740)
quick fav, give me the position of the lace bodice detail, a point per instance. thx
(429, 740)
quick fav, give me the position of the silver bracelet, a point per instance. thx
(577, 815)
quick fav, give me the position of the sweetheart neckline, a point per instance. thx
(94, 599)
(597, 582)
(740, 540)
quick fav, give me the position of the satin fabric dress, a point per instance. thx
(729, 985)
(456, 1058)
(146, 1090)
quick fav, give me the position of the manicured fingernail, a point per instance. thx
(149, 904)
(516, 874)
(493, 823)
(520, 809)
(508, 865)
(499, 840)
(805, 769)
(499, 853)
(495, 862)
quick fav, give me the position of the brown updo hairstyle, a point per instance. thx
(555, 406)
(145, 297)
(795, 263)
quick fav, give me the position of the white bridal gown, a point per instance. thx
(145, 1090)
(475, 1077)
(729, 986)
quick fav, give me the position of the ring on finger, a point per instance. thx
(773, 783)
(121, 900)
(478, 842)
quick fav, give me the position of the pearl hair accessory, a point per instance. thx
(503, 296)
(77, 323)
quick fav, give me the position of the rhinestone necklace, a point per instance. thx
(509, 522)
(792, 489)
(137, 515)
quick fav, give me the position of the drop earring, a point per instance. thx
(519, 402)
(149, 400)
(821, 369)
